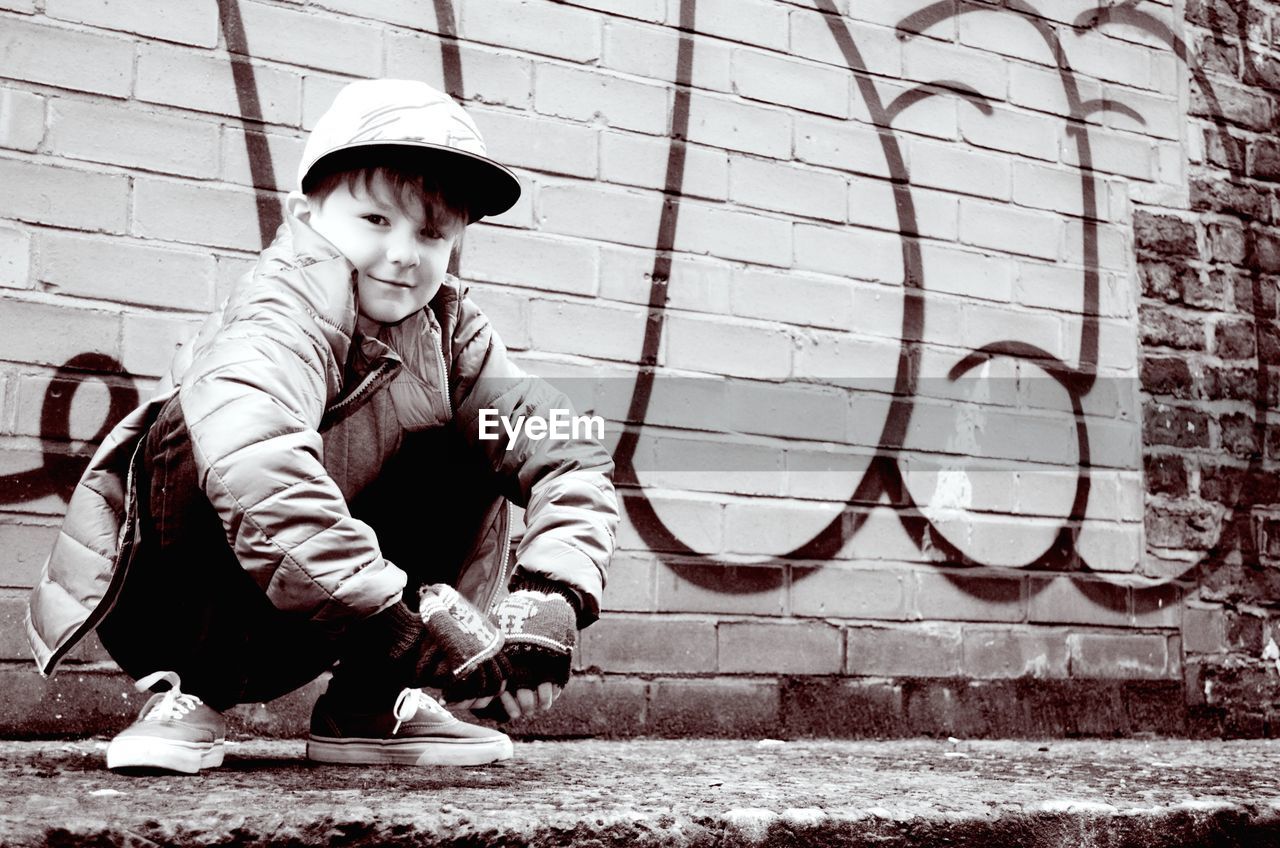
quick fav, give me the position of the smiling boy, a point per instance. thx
(309, 487)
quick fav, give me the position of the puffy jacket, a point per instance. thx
(290, 417)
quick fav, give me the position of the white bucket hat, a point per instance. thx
(409, 114)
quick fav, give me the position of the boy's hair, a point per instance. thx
(444, 201)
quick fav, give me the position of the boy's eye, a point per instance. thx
(373, 218)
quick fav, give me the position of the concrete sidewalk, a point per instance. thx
(669, 792)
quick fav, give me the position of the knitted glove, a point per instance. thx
(539, 622)
(540, 628)
(461, 649)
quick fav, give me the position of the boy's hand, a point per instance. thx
(523, 703)
(526, 703)
(461, 648)
(539, 628)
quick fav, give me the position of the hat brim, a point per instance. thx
(491, 188)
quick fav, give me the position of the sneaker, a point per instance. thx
(417, 732)
(174, 732)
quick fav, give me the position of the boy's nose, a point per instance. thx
(403, 252)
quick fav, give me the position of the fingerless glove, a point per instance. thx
(461, 650)
(539, 624)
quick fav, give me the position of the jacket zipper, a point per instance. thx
(503, 577)
(372, 381)
(124, 555)
(444, 374)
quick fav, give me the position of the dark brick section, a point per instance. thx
(1269, 346)
(1266, 252)
(1166, 474)
(1235, 105)
(1227, 243)
(1238, 435)
(1244, 631)
(1224, 149)
(69, 704)
(1222, 17)
(1181, 525)
(1176, 426)
(1218, 483)
(1232, 701)
(741, 709)
(596, 706)
(1239, 583)
(1234, 339)
(1264, 161)
(101, 703)
(1209, 346)
(1166, 282)
(1268, 536)
(1220, 383)
(1020, 708)
(828, 707)
(1181, 284)
(1164, 328)
(1165, 375)
(1245, 201)
(1219, 57)
(1163, 234)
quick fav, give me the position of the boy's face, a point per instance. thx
(400, 262)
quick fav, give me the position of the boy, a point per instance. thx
(310, 485)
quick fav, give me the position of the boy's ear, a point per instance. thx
(297, 205)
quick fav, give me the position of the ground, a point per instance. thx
(667, 792)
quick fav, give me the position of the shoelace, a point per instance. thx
(173, 704)
(412, 700)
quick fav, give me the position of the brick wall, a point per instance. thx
(954, 322)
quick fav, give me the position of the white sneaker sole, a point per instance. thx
(408, 752)
(141, 752)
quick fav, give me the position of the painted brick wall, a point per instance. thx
(954, 322)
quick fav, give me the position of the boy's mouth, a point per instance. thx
(398, 283)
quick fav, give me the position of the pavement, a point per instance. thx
(684, 792)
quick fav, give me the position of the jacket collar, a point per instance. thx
(300, 268)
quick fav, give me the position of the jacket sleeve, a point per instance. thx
(252, 400)
(565, 486)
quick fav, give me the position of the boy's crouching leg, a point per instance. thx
(188, 614)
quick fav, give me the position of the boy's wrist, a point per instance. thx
(524, 581)
(393, 632)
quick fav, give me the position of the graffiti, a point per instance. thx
(451, 64)
(883, 478)
(451, 55)
(261, 171)
(58, 473)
